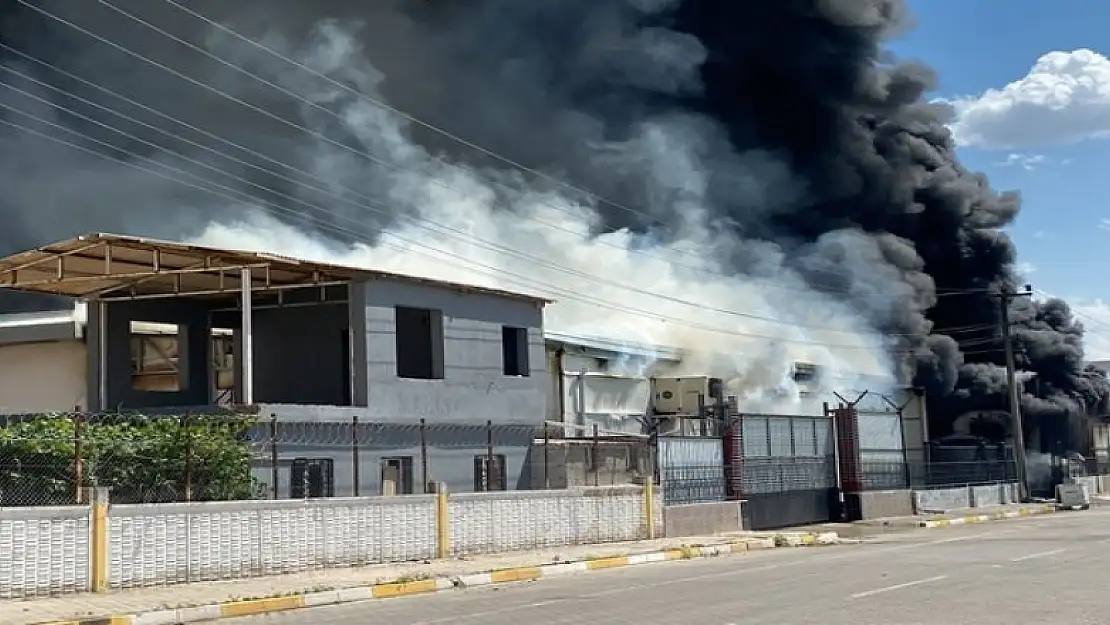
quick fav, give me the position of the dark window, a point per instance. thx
(311, 478)
(514, 350)
(489, 472)
(397, 475)
(347, 391)
(419, 333)
(804, 372)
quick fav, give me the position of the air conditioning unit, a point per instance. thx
(680, 395)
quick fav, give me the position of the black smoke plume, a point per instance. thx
(811, 136)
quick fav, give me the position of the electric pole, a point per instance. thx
(1016, 431)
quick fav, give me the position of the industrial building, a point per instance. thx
(375, 383)
(164, 326)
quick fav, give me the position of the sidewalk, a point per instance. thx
(399, 579)
(888, 525)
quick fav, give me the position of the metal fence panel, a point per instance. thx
(878, 475)
(693, 484)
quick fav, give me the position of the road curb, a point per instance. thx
(404, 588)
(984, 518)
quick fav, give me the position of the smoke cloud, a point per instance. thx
(766, 184)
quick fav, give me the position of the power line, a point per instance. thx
(385, 106)
(316, 105)
(262, 111)
(513, 277)
(378, 209)
(538, 261)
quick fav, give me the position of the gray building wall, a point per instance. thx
(474, 388)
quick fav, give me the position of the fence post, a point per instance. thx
(443, 522)
(188, 477)
(595, 460)
(546, 442)
(98, 545)
(489, 455)
(78, 455)
(649, 505)
(424, 455)
(274, 474)
(355, 469)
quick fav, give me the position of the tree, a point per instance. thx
(140, 458)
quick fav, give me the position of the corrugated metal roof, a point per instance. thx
(99, 264)
(614, 346)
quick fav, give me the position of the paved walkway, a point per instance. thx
(1047, 570)
(22, 612)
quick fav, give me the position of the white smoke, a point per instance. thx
(463, 225)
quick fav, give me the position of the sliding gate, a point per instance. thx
(784, 467)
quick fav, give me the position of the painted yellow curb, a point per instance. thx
(253, 607)
(525, 574)
(403, 589)
(984, 518)
(607, 563)
(232, 609)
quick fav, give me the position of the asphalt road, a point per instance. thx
(1050, 569)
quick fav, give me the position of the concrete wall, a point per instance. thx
(301, 355)
(44, 551)
(569, 464)
(880, 504)
(494, 522)
(942, 499)
(701, 519)
(155, 545)
(42, 377)
(474, 387)
(194, 352)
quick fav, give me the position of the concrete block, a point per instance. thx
(939, 499)
(880, 504)
(702, 519)
(987, 495)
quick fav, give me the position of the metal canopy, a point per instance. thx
(106, 266)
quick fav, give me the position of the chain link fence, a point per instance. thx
(48, 459)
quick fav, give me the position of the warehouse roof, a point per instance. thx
(111, 265)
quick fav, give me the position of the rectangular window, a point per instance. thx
(156, 350)
(397, 475)
(489, 472)
(419, 334)
(804, 372)
(514, 351)
(312, 478)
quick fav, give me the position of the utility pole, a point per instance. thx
(1005, 297)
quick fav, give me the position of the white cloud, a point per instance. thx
(1028, 162)
(1104, 223)
(1065, 97)
(1025, 269)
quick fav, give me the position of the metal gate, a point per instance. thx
(784, 467)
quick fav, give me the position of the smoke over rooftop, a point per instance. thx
(755, 178)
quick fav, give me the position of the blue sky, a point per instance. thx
(1041, 135)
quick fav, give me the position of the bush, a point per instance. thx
(142, 459)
